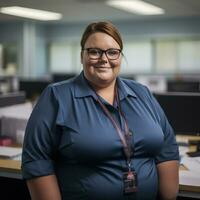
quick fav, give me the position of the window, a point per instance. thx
(8, 59)
(189, 56)
(60, 58)
(138, 56)
(141, 57)
(165, 56)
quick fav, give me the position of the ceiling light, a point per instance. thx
(30, 13)
(136, 6)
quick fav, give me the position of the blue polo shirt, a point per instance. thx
(68, 134)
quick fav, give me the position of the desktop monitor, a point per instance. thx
(183, 86)
(57, 77)
(182, 110)
(12, 98)
(33, 87)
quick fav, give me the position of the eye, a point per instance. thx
(94, 52)
(113, 52)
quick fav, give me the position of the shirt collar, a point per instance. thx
(83, 89)
(124, 89)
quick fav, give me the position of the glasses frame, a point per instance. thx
(102, 52)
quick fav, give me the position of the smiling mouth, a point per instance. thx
(101, 67)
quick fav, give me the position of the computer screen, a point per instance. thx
(33, 87)
(183, 86)
(12, 98)
(182, 110)
(57, 77)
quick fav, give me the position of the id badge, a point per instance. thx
(130, 182)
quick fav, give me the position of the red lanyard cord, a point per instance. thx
(126, 138)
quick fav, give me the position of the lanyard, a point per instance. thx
(126, 138)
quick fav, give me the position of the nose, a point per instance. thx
(104, 56)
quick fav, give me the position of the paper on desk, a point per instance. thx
(19, 111)
(198, 159)
(192, 164)
(183, 150)
(10, 152)
(183, 153)
(189, 178)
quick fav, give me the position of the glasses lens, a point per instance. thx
(113, 53)
(94, 53)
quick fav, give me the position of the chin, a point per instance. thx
(106, 78)
(105, 75)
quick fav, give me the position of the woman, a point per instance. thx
(97, 136)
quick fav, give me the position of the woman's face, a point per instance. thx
(102, 71)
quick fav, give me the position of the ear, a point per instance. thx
(81, 57)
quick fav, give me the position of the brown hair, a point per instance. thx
(104, 27)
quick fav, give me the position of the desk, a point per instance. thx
(188, 190)
(10, 168)
(11, 184)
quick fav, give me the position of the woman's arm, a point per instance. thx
(168, 173)
(44, 188)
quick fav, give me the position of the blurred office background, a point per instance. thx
(157, 47)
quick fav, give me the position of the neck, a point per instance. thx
(107, 93)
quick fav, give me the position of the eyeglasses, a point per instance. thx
(95, 53)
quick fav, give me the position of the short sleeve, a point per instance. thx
(169, 150)
(40, 137)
